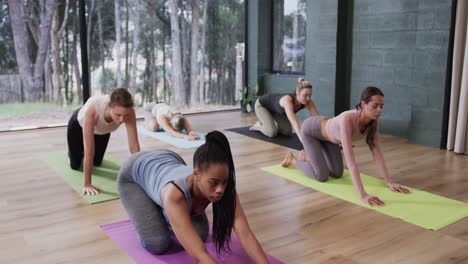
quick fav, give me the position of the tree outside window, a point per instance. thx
(289, 35)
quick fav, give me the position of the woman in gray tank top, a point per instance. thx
(89, 130)
(276, 113)
(161, 194)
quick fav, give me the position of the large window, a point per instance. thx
(192, 69)
(174, 51)
(289, 35)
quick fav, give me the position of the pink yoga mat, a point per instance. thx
(123, 234)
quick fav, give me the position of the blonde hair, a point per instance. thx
(178, 122)
(302, 84)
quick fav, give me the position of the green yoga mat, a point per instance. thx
(104, 176)
(421, 208)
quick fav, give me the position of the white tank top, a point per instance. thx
(100, 102)
(162, 109)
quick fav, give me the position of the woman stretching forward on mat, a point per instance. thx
(161, 116)
(161, 193)
(89, 130)
(322, 135)
(276, 112)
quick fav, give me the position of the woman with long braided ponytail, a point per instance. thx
(161, 193)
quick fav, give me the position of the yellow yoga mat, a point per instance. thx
(104, 176)
(421, 208)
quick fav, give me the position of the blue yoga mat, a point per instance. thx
(178, 142)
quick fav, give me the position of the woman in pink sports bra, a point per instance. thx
(322, 136)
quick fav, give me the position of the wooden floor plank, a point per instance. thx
(43, 220)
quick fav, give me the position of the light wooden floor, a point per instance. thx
(43, 220)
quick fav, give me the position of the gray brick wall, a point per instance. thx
(401, 47)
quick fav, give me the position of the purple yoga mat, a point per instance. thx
(123, 234)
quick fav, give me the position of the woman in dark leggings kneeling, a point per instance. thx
(161, 193)
(89, 131)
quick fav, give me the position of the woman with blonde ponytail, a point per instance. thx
(321, 135)
(276, 113)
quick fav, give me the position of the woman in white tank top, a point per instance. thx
(89, 130)
(160, 116)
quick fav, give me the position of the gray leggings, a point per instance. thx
(323, 157)
(272, 124)
(147, 217)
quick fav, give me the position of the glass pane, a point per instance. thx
(289, 35)
(37, 78)
(201, 78)
(130, 44)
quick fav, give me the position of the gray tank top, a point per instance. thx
(153, 170)
(271, 102)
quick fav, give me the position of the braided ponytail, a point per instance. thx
(217, 150)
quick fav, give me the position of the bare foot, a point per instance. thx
(302, 156)
(255, 127)
(288, 160)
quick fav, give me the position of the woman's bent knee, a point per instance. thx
(156, 245)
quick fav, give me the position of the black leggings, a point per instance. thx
(76, 145)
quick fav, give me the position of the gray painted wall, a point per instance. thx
(320, 66)
(399, 46)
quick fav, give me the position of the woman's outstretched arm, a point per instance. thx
(132, 134)
(346, 128)
(288, 105)
(179, 217)
(246, 236)
(383, 170)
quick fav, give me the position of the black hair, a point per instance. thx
(216, 150)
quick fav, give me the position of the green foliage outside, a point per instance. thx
(19, 109)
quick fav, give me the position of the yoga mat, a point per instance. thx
(123, 234)
(421, 208)
(286, 141)
(104, 176)
(178, 142)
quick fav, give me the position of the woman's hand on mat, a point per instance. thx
(91, 190)
(397, 188)
(194, 135)
(371, 200)
(189, 137)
